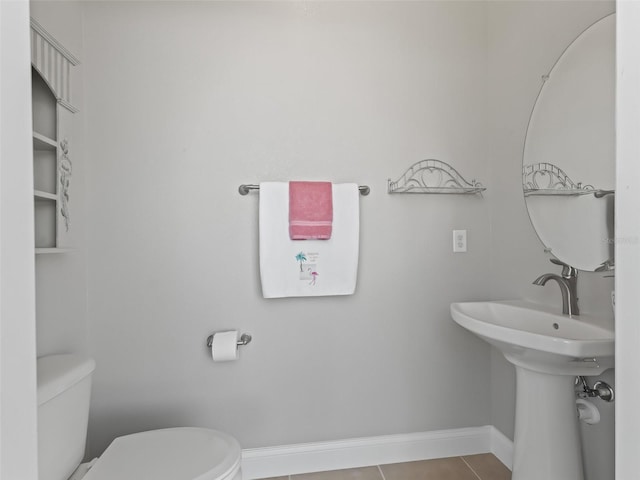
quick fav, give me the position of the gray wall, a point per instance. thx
(185, 101)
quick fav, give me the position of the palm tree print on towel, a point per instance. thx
(301, 257)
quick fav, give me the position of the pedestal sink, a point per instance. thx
(548, 350)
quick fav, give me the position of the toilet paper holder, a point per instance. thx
(244, 339)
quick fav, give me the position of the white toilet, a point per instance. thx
(64, 389)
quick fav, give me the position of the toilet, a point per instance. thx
(64, 391)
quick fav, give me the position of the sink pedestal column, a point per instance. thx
(547, 440)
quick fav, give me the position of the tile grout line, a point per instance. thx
(381, 472)
(467, 464)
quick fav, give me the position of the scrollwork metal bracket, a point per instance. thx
(433, 176)
(548, 179)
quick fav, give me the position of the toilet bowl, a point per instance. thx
(186, 453)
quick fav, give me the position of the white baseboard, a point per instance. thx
(359, 452)
(502, 447)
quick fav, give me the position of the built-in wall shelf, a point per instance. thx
(434, 177)
(54, 63)
(52, 140)
(43, 143)
(40, 195)
(52, 250)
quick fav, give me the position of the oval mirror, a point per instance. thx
(568, 171)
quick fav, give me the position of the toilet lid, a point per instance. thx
(169, 454)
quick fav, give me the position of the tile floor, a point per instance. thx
(470, 467)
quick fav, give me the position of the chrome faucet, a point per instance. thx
(568, 283)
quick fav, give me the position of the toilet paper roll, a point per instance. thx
(224, 346)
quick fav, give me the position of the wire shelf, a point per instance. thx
(547, 179)
(433, 177)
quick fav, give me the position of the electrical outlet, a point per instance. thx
(459, 241)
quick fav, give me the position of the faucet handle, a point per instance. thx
(567, 270)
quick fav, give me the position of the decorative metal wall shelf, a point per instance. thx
(546, 179)
(433, 176)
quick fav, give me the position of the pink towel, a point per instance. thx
(310, 210)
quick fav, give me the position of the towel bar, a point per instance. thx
(245, 188)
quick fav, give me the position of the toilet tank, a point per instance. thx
(64, 392)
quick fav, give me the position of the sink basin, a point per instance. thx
(548, 350)
(535, 337)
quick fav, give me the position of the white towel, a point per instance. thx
(300, 268)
